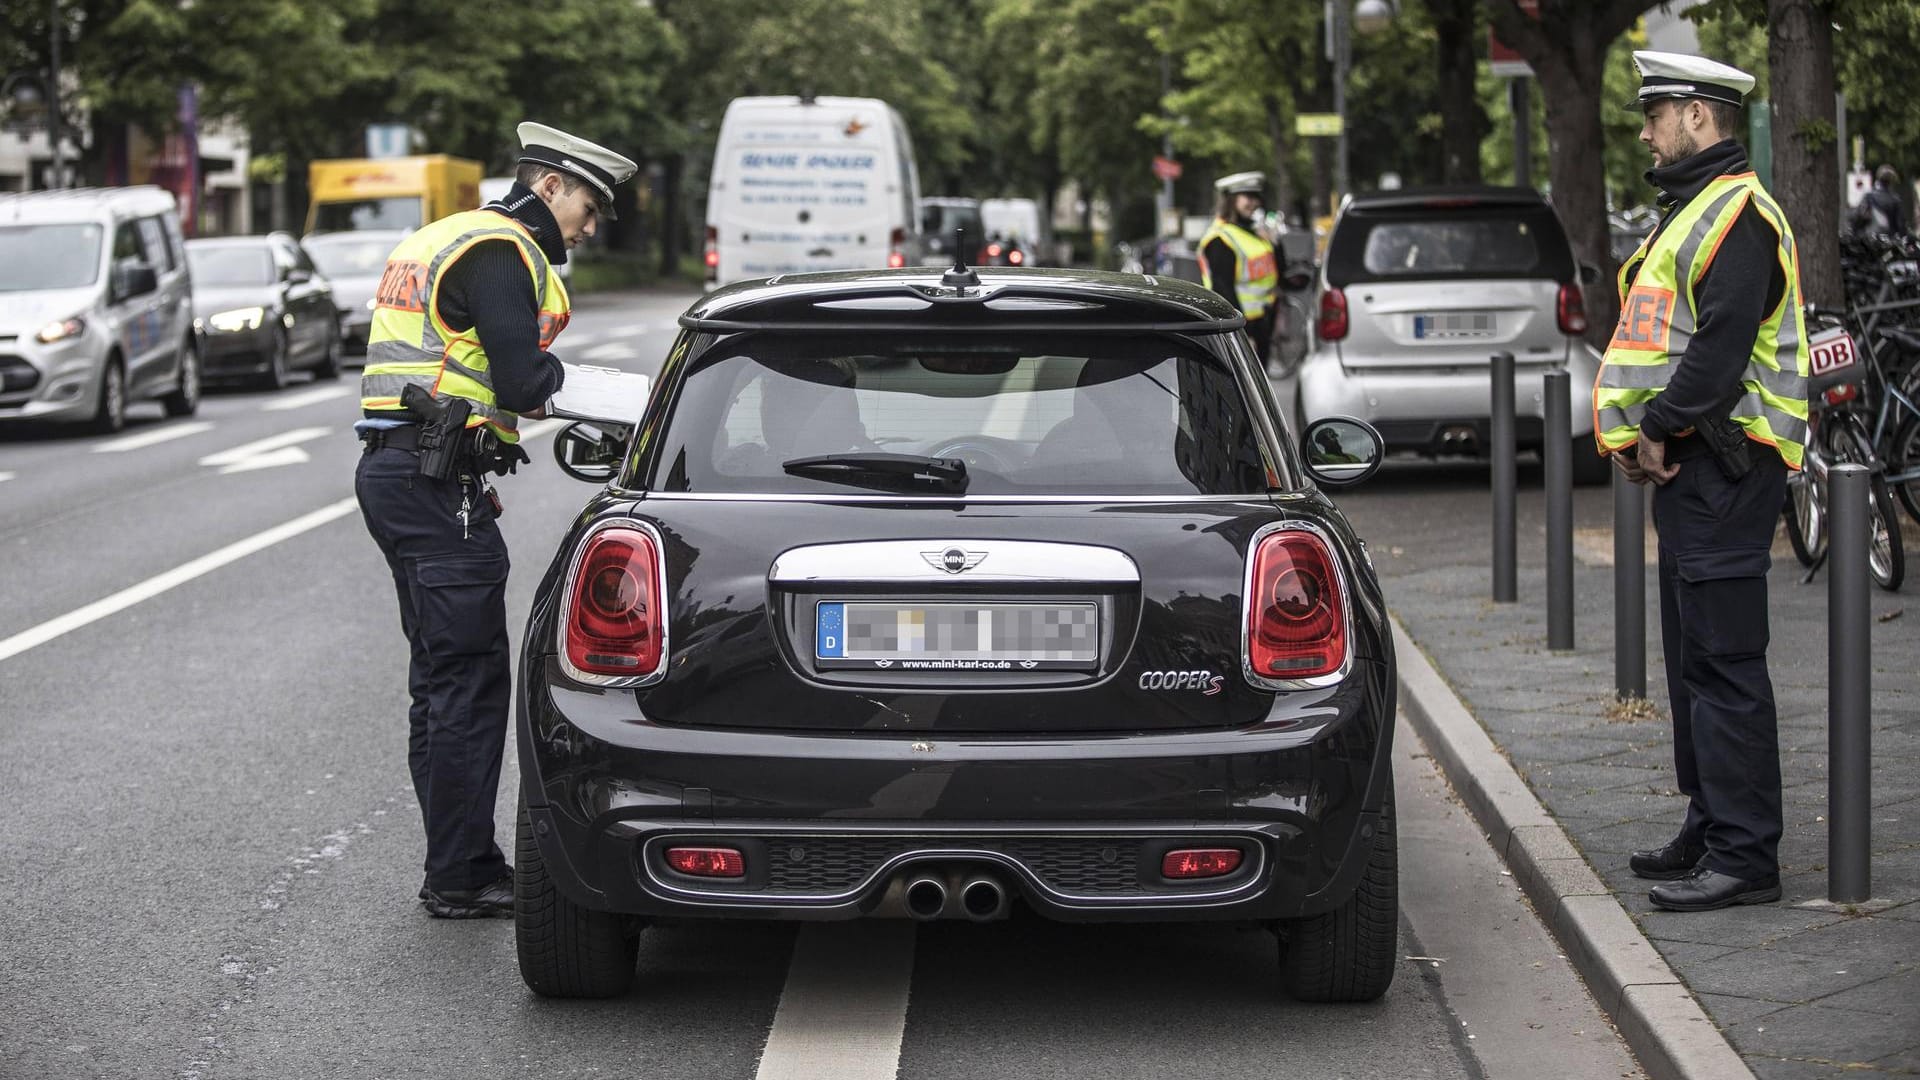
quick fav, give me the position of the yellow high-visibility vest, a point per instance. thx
(1658, 318)
(408, 342)
(1255, 271)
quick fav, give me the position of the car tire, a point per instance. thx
(1590, 466)
(185, 398)
(279, 362)
(1348, 954)
(110, 408)
(565, 950)
(328, 368)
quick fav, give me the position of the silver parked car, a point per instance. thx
(1418, 290)
(95, 307)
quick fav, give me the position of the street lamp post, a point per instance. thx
(1367, 16)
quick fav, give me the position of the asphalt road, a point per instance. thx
(209, 846)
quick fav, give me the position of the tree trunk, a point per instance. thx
(1572, 91)
(1282, 185)
(1462, 121)
(672, 229)
(1806, 164)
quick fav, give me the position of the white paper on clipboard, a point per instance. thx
(600, 393)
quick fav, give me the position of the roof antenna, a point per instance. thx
(960, 277)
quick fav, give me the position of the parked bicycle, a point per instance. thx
(1837, 433)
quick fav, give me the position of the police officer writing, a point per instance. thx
(465, 313)
(1238, 262)
(1703, 394)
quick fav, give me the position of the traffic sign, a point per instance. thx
(1166, 168)
(1322, 124)
(1502, 58)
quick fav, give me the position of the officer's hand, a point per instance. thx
(1629, 467)
(1653, 461)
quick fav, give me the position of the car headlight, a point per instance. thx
(238, 319)
(60, 330)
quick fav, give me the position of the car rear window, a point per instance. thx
(1424, 243)
(1043, 416)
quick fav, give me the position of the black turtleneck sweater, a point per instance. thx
(488, 290)
(1740, 287)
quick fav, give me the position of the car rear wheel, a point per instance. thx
(566, 951)
(185, 398)
(1348, 953)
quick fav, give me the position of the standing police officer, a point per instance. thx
(1703, 393)
(1238, 262)
(464, 315)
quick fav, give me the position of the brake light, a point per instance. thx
(1296, 621)
(1016, 257)
(712, 255)
(896, 258)
(614, 624)
(707, 861)
(1840, 395)
(993, 251)
(1573, 310)
(1333, 315)
(1200, 862)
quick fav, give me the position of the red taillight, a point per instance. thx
(1333, 315)
(1840, 395)
(1573, 310)
(1200, 862)
(614, 623)
(993, 251)
(897, 258)
(713, 254)
(1296, 625)
(707, 861)
(1016, 257)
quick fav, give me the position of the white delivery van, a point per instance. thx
(1017, 220)
(802, 184)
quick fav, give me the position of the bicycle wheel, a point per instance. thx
(1886, 555)
(1806, 517)
(1903, 460)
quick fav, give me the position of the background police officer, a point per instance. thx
(1237, 262)
(1703, 393)
(466, 311)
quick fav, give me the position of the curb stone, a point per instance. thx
(1655, 1012)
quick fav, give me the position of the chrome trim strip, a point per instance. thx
(660, 599)
(1255, 879)
(937, 500)
(1340, 571)
(1004, 562)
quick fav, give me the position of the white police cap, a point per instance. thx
(600, 167)
(1678, 75)
(1250, 182)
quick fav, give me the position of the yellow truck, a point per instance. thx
(389, 193)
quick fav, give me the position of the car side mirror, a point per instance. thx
(132, 279)
(1589, 273)
(1340, 451)
(590, 451)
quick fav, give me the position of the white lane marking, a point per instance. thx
(179, 575)
(311, 397)
(6, 476)
(843, 1012)
(609, 351)
(153, 438)
(266, 453)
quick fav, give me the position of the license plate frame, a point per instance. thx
(1454, 325)
(844, 632)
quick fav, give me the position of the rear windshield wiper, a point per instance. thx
(891, 471)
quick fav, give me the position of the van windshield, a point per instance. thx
(34, 257)
(397, 213)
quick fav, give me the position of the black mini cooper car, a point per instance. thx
(924, 594)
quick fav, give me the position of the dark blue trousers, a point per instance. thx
(452, 582)
(1714, 540)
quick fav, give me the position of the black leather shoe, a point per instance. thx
(505, 875)
(1675, 860)
(1705, 890)
(487, 902)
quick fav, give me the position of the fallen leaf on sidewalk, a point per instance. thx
(1891, 615)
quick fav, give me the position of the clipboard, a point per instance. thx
(605, 394)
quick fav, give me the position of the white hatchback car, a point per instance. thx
(1419, 289)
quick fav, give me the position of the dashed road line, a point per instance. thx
(843, 1011)
(311, 397)
(179, 575)
(6, 476)
(609, 351)
(153, 438)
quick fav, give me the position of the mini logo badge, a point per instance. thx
(954, 560)
(1204, 681)
(1029, 664)
(883, 663)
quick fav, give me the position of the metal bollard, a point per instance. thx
(1505, 586)
(1559, 479)
(1629, 588)
(1849, 688)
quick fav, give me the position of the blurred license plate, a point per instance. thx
(956, 637)
(1453, 325)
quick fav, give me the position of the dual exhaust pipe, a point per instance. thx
(978, 897)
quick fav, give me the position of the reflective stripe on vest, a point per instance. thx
(1658, 319)
(409, 343)
(1255, 271)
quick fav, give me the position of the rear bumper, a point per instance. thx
(1421, 409)
(833, 824)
